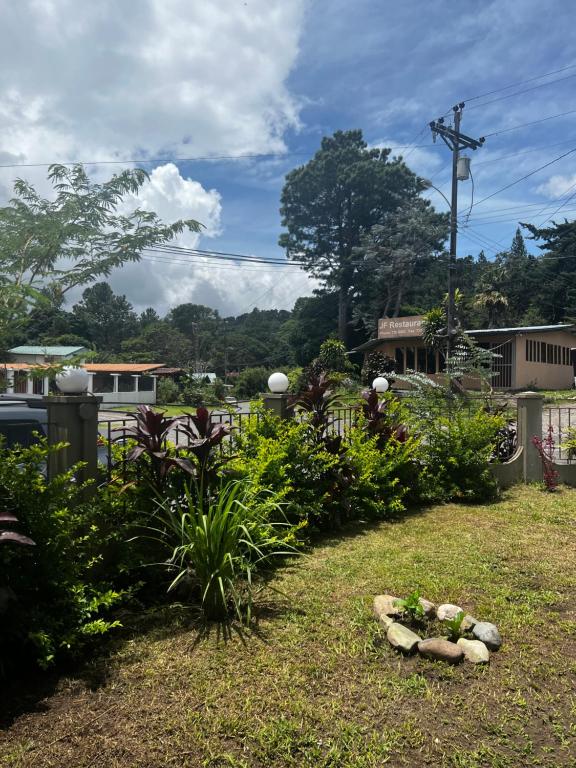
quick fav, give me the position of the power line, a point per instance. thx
(192, 262)
(498, 222)
(520, 82)
(205, 158)
(518, 93)
(532, 122)
(223, 255)
(526, 176)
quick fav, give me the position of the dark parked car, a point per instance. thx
(20, 420)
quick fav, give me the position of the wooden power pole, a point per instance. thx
(455, 141)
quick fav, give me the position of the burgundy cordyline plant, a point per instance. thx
(545, 449)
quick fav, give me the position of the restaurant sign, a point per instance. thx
(400, 327)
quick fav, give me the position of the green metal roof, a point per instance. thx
(48, 351)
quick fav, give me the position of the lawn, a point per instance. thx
(315, 684)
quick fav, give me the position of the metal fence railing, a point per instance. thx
(558, 425)
(112, 429)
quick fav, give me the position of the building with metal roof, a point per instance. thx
(526, 357)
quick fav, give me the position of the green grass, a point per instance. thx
(556, 396)
(315, 683)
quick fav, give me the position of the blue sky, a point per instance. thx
(170, 79)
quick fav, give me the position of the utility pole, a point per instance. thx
(455, 141)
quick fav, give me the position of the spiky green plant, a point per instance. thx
(217, 543)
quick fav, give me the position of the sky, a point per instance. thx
(170, 82)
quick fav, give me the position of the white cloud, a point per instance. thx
(172, 197)
(164, 280)
(153, 78)
(558, 185)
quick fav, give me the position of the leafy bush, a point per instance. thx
(61, 596)
(383, 472)
(217, 542)
(321, 482)
(251, 382)
(284, 457)
(377, 364)
(454, 457)
(151, 448)
(167, 391)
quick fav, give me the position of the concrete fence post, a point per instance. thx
(73, 419)
(529, 426)
(278, 404)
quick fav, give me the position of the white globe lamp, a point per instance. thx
(278, 383)
(72, 380)
(380, 384)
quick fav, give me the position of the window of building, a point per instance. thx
(146, 384)
(399, 360)
(421, 359)
(430, 361)
(410, 358)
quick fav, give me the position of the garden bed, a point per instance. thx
(317, 684)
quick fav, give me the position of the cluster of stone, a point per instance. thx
(477, 651)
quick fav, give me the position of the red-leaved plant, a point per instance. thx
(379, 419)
(151, 434)
(204, 435)
(545, 449)
(317, 400)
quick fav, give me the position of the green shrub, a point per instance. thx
(62, 589)
(167, 391)
(251, 382)
(284, 457)
(322, 482)
(454, 457)
(383, 472)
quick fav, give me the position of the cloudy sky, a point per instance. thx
(172, 81)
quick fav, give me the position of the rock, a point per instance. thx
(441, 650)
(429, 608)
(488, 634)
(447, 611)
(474, 651)
(384, 605)
(385, 621)
(402, 638)
(468, 622)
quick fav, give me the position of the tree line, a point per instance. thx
(355, 217)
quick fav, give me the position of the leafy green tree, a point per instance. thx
(555, 295)
(313, 320)
(148, 317)
(104, 318)
(329, 203)
(251, 382)
(390, 253)
(71, 240)
(159, 343)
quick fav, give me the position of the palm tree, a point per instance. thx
(494, 302)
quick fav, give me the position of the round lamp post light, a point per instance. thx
(380, 384)
(278, 383)
(72, 380)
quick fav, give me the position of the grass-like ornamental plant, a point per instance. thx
(217, 542)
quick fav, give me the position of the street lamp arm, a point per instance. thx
(431, 186)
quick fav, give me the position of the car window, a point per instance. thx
(20, 432)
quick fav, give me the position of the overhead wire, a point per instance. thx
(520, 82)
(198, 158)
(519, 93)
(532, 122)
(526, 176)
